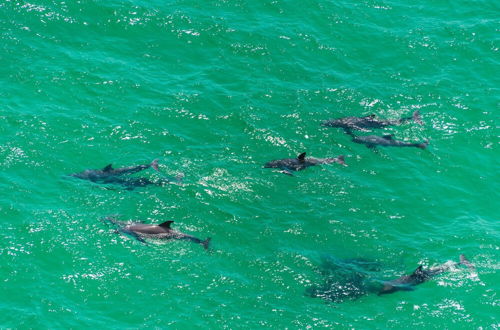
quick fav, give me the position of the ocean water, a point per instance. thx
(215, 89)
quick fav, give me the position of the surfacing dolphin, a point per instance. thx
(372, 141)
(368, 122)
(109, 172)
(163, 231)
(288, 165)
(110, 175)
(420, 275)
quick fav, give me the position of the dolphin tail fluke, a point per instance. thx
(423, 145)
(206, 243)
(464, 261)
(416, 118)
(154, 164)
(341, 160)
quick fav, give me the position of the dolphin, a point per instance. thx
(420, 275)
(143, 231)
(372, 141)
(301, 162)
(367, 122)
(132, 183)
(108, 172)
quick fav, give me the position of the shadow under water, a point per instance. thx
(346, 279)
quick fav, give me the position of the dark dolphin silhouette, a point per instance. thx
(142, 231)
(301, 162)
(420, 275)
(118, 176)
(368, 122)
(372, 141)
(132, 183)
(108, 173)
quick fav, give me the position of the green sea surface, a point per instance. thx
(214, 90)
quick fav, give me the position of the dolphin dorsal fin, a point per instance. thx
(418, 271)
(371, 116)
(166, 224)
(302, 157)
(108, 168)
(388, 136)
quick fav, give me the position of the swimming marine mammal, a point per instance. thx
(118, 176)
(132, 183)
(420, 275)
(367, 122)
(372, 141)
(301, 162)
(163, 231)
(349, 279)
(107, 173)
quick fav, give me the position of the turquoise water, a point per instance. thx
(214, 90)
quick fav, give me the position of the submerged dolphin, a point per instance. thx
(420, 275)
(110, 175)
(108, 172)
(162, 231)
(372, 141)
(132, 183)
(367, 122)
(301, 162)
